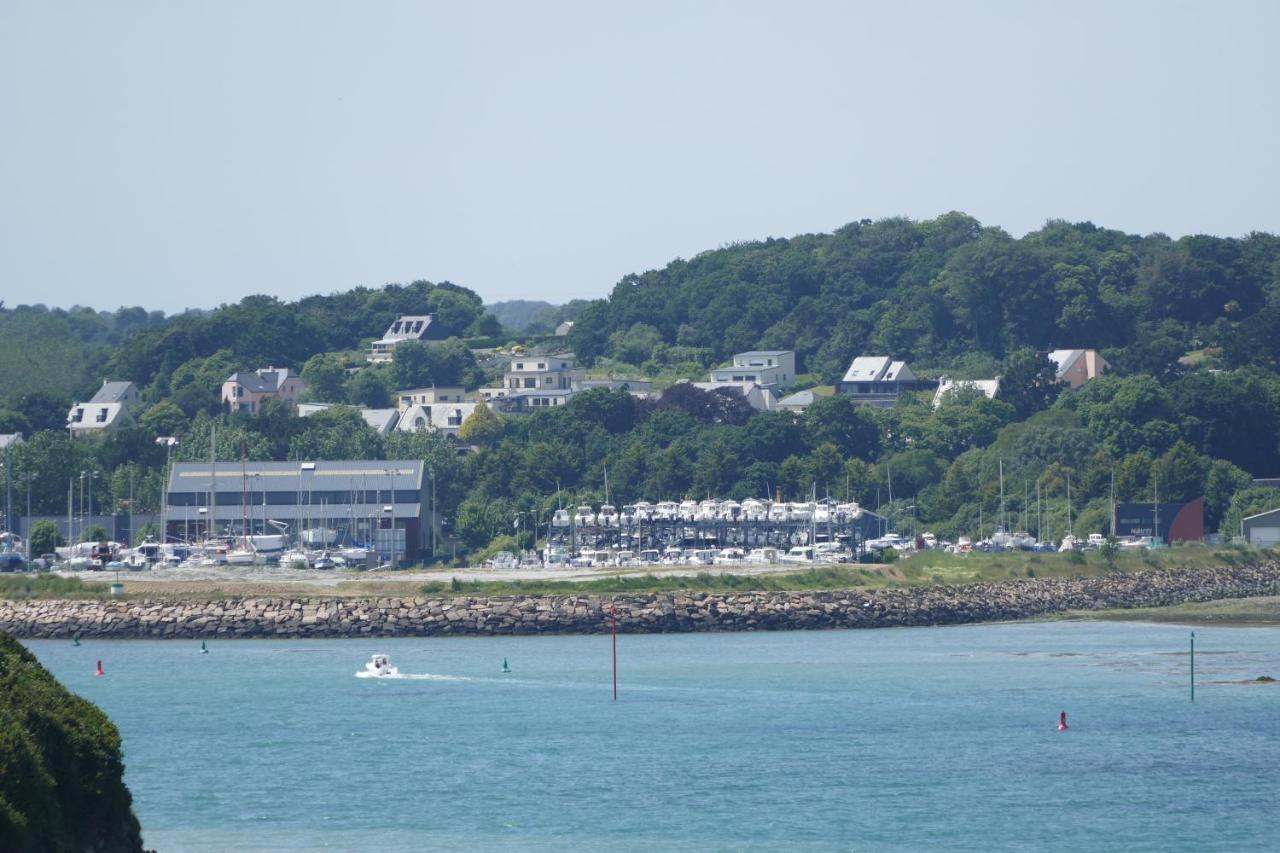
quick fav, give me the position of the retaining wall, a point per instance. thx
(636, 613)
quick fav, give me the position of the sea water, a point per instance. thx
(923, 739)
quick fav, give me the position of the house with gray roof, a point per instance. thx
(113, 406)
(247, 390)
(878, 380)
(406, 327)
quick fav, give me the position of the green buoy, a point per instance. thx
(203, 649)
(75, 638)
(505, 668)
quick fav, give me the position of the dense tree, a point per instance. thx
(368, 387)
(336, 433)
(45, 537)
(325, 376)
(483, 428)
(837, 420)
(1028, 382)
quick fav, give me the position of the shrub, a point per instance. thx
(61, 773)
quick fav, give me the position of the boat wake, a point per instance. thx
(411, 676)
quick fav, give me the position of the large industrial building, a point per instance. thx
(385, 504)
(1178, 522)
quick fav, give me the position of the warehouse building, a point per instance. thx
(1262, 529)
(384, 504)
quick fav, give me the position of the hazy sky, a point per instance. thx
(176, 154)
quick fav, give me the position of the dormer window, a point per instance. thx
(102, 416)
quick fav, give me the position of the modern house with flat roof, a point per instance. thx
(406, 327)
(384, 504)
(429, 396)
(771, 368)
(531, 372)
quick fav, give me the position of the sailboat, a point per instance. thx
(1000, 538)
(1069, 542)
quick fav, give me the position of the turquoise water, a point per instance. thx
(925, 739)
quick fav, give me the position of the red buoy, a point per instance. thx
(99, 672)
(1062, 721)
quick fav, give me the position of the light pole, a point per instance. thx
(391, 507)
(80, 514)
(93, 476)
(31, 475)
(168, 441)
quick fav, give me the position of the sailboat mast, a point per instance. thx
(1003, 525)
(1069, 529)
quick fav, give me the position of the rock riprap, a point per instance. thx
(664, 612)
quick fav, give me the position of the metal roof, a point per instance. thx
(336, 475)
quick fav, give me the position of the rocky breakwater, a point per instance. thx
(647, 613)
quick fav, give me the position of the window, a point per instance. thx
(78, 416)
(520, 365)
(102, 416)
(531, 383)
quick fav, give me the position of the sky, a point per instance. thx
(178, 154)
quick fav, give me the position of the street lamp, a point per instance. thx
(31, 475)
(168, 441)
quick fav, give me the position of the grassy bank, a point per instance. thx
(1232, 612)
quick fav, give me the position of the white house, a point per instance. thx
(112, 407)
(1078, 366)
(10, 439)
(383, 421)
(406, 327)
(774, 368)
(877, 380)
(563, 328)
(443, 417)
(989, 387)
(523, 402)
(542, 373)
(429, 396)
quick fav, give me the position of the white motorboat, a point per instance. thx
(561, 518)
(730, 557)
(762, 555)
(585, 516)
(294, 559)
(379, 666)
(608, 516)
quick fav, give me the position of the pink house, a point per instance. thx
(1078, 366)
(245, 391)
